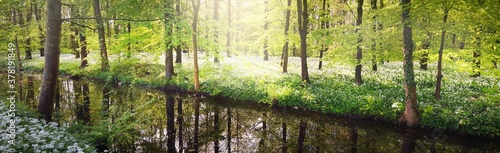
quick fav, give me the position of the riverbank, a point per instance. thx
(468, 105)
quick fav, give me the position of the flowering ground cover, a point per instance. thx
(30, 134)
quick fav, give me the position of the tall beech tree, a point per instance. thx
(302, 20)
(196, 8)
(216, 31)
(102, 39)
(228, 34)
(266, 25)
(446, 9)
(169, 55)
(287, 27)
(410, 117)
(324, 25)
(178, 48)
(359, 50)
(51, 69)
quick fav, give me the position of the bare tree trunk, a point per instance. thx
(51, 69)
(102, 39)
(425, 46)
(287, 27)
(228, 42)
(374, 41)
(410, 117)
(28, 39)
(42, 36)
(359, 53)
(169, 56)
(439, 76)
(178, 48)
(266, 25)
(302, 19)
(324, 25)
(196, 7)
(83, 50)
(196, 113)
(216, 36)
(170, 124)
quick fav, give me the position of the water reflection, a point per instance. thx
(135, 119)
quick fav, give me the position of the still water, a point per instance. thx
(138, 119)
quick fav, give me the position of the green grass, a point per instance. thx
(468, 105)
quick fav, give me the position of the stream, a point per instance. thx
(140, 119)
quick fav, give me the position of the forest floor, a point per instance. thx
(469, 105)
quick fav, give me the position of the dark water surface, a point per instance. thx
(146, 120)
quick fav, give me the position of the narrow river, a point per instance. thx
(137, 119)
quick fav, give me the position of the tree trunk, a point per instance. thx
(374, 41)
(228, 42)
(196, 7)
(229, 129)
(42, 36)
(216, 36)
(180, 122)
(476, 54)
(102, 39)
(178, 48)
(28, 39)
(266, 25)
(83, 50)
(196, 114)
(302, 19)
(169, 55)
(51, 69)
(287, 27)
(410, 117)
(439, 76)
(16, 42)
(324, 25)
(426, 44)
(170, 124)
(283, 137)
(216, 129)
(359, 53)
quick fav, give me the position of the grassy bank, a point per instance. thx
(468, 105)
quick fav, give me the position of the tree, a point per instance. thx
(102, 39)
(216, 32)
(28, 40)
(51, 69)
(228, 35)
(302, 19)
(170, 124)
(266, 25)
(196, 7)
(439, 76)
(374, 45)
(410, 117)
(178, 49)
(287, 27)
(83, 50)
(169, 57)
(38, 19)
(359, 53)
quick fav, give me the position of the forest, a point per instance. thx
(250, 76)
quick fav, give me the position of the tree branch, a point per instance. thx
(81, 25)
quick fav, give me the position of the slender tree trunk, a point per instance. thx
(476, 54)
(216, 33)
(169, 55)
(51, 69)
(102, 39)
(374, 41)
(283, 138)
(170, 124)
(228, 35)
(229, 130)
(324, 25)
(425, 46)
(302, 19)
(216, 129)
(28, 39)
(16, 42)
(439, 76)
(129, 44)
(266, 25)
(410, 117)
(83, 50)
(42, 36)
(178, 48)
(287, 27)
(196, 7)
(359, 54)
